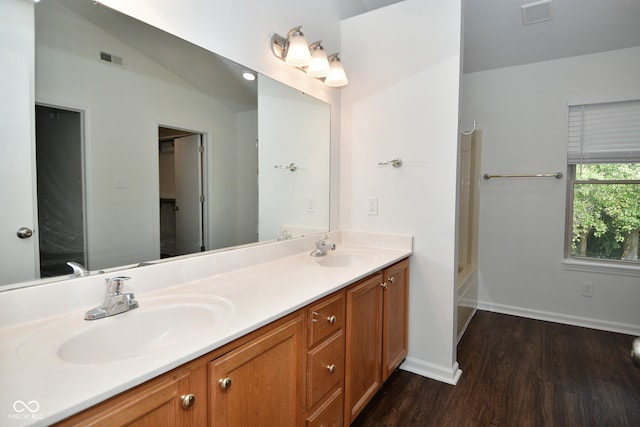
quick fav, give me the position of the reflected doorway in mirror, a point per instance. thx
(181, 170)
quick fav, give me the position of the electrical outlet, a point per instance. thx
(587, 289)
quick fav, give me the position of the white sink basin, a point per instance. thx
(345, 258)
(159, 323)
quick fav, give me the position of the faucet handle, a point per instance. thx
(115, 284)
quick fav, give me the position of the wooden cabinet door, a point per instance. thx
(364, 342)
(395, 339)
(260, 383)
(153, 404)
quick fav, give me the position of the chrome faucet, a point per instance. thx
(78, 269)
(322, 246)
(115, 302)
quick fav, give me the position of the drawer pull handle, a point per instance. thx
(383, 285)
(392, 279)
(332, 319)
(225, 384)
(188, 400)
(331, 368)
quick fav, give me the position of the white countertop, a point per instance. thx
(38, 388)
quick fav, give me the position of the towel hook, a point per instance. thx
(290, 167)
(396, 163)
(471, 131)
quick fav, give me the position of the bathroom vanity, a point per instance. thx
(299, 370)
(292, 340)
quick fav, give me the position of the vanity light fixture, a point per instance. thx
(319, 66)
(311, 59)
(336, 76)
(297, 52)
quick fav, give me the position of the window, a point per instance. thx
(603, 221)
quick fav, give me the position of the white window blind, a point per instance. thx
(604, 133)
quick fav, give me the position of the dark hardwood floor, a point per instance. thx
(520, 372)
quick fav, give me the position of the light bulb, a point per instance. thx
(336, 77)
(298, 54)
(319, 66)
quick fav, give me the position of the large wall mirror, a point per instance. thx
(148, 147)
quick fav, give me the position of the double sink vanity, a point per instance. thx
(261, 335)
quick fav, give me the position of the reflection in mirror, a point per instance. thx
(294, 162)
(164, 157)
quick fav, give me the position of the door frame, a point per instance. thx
(84, 120)
(203, 169)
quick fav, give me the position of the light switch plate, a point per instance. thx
(372, 206)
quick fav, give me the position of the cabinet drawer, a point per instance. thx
(326, 318)
(330, 414)
(325, 368)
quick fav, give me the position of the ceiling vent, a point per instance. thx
(539, 11)
(111, 59)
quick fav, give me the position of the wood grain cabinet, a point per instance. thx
(316, 367)
(177, 398)
(325, 361)
(395, 318)
(260, 383)
(376, 334)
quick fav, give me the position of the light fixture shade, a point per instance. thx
(319, 66)
(336, 76)
(298, 54)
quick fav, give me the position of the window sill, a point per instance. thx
(603, 267)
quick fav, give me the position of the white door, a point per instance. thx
(18, 256)
(188, 194)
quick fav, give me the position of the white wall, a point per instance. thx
(247, 194)
(522, 111)
(402, 101)
(292, 201)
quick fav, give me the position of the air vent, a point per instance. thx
(539, 11)
(112, 59)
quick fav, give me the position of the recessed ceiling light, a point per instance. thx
(248, 75)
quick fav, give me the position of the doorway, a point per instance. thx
(181, 169)
(60, 189)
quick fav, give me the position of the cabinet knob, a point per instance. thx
(225, 384)
(383, 285)
(392, 279)
(331, 368)
(332, 319)
(188, 400)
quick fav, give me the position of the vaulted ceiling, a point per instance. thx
(495, 37)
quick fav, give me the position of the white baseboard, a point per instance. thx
(466, 324)
(560, 318)
(429, 370)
